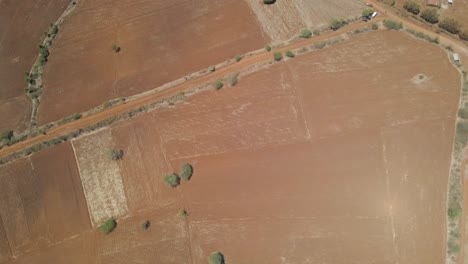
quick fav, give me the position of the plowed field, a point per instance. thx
(160, 41)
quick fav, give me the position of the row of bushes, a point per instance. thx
(432, 15)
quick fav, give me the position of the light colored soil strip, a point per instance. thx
(100, 176)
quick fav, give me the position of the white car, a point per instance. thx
(374, 14)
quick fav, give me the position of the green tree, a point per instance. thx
(336, 23)
(290, 54)
(431, 15)
(305, 33)
(412, 7)
(186, 171)
(172, 180)
(277, 56)
(367, 12)
(450, 24)
(218, 84)
(216, 258)
(108, 226)
(268, 2)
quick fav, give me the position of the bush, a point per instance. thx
(412, 7)
(54, 29)
(115, 154)
(269, 2)
(390, 24)
(305, 33)
(336, 23)
(212, 68)
(450, 24)
(216, 258)
(186, 171)
(463, 113)
(290, 54)
(6, 135)
(463, 34)
(183, 212)
(374, 26)
(172, 180)
(145, 225)
(238, 58)
(218, 84)
(452, 212)
(115, 48)
(316, 32)
(277, 56)
(431, 15)
(108, 226)
(267, 48)
(367, 12)
(232, 80)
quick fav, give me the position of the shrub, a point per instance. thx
(238, 58)
(232, 80)
(336, 23)
(463, 34)
(6, 135)
(267, 48)
(115, 154)
(186, 171)
(76, 116)
(212, 68)
(54, 29)
(269, 2)
(218, 84)
(115, 48)
(463, 113)
(316, 32)
(450, 24)
(367, 12)
(431, 15)
(172, 180)
(390, 24)
(374, 26)
(452, 212)
(216, 258)
(108, 226)
(305, 33)
(145, 225)
(183, 212)
(277, 56)
(412, 7)
(290, 54)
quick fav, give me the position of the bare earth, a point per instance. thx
(21, 25)
(160, 41)
(309, 168)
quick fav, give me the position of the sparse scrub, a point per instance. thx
(172, 180)
(412, 7)
(305, 33)
(337, 23)
(277, 56)
(290, 54)
(390, 24)
(186, 171)
(450, 24)
(316, 32)
(218, 84)
(423, 36)
(267, 48)
(374, 26)
(431, 15)
(115, 154)
(320, 45)
(108, 226)
(216, 258)
(232, 80)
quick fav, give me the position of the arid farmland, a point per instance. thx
(21, 25)
(337, 156)
(160, 41)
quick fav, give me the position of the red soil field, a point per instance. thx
(22, 23)
(41, 201)
(337, 156)
(160, 41)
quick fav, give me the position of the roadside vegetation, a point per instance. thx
(233, 79)
(337, 23)
(431, 15)
(218, 84)
(277, 56)
(422, 36)
(290, 54)
(216, 258)
(391, 24)
(451, 25)
(367, 12)
(108, 226)
(268, 48)
(305, 33)
(212, 68)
